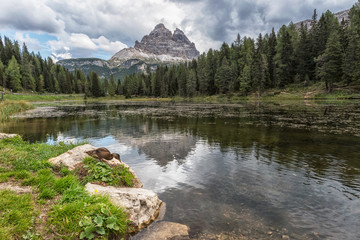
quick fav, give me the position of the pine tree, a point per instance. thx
(112, 86)
(330, 62)
(106, 87)
(2, 75)
(96, 90)
(191, 84)
(12, 74)
(223, 77)
(284, 58)
(351, 66)
(245, 80)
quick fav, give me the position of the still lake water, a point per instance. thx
(230, 171)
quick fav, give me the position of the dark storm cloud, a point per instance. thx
(221, 20)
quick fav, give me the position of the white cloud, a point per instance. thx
(58, 56)
(80, 45)
(106, 45)
(31, 43)
(87, 26)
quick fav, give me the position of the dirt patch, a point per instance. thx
(15, 187)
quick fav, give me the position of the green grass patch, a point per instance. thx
(73, 214)
(43, 97)
(17, 214)
(89, 217)
(7, 108)
(20, 155)
(97, 171)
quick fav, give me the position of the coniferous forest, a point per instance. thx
(328, 51)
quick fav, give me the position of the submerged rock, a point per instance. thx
(6, 135)
(164, 230)
(142, 205)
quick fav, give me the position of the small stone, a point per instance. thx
(270, 233)
(286, 237)
(316, 235)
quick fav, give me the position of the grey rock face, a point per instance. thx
(162, 42)
(142, 205)
(164, 230)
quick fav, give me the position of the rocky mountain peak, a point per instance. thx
(161, 41)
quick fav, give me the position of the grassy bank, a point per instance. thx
(51, 203)
(43, 97)
(7, 108)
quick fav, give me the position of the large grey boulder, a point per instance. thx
(72, 157)
(143, 206)
(6, 135)
(164, 230)
(75, 156)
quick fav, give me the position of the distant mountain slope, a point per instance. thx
(161, 46)
(340, 16)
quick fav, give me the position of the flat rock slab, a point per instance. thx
(164, 230)
(14, 187)
(72, 157)
(6, 135)
(142, 205)
(76, 155)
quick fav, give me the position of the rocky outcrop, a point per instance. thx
(75, 156)
(142, 205)
(162, 42)
(160, 46)
(6, 135)
(164, 231)
(72, 157)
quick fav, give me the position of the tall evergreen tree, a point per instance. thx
(12, 74)
(330, 62)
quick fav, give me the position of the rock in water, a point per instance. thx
(163, 231)
(142, 205)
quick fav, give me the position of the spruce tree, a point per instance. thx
(330, 62)
(112, 86)
(13, 76)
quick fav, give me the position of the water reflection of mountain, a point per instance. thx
(165, 149)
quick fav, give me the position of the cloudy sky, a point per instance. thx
(100, 28)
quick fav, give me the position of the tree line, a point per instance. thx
(328, 51)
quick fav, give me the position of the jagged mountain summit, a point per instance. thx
(161, 46)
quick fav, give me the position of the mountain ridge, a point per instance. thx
(161, 46)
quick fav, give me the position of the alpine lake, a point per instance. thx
(250, 170)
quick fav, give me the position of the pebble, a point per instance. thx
(286, 237)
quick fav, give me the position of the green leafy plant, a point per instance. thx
(101, 224)
(101, 172)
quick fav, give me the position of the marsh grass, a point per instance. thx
(66, 200)
(7, 108)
